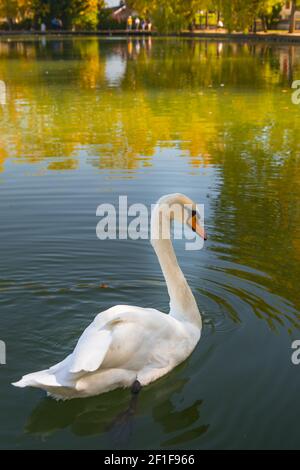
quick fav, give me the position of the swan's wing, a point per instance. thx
(96, 340)
(90, 350)
(124, 336)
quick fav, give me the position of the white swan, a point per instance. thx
(129, 346)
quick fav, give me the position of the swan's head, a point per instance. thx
(183, 210)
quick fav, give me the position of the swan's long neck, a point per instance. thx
(183, 305)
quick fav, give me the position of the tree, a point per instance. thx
(81, 13)
(8, 10)
(170, 15)
(293, 16)
(241, 15)
(73, 13)
(268, 10)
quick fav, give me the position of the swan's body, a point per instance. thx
(126, 343)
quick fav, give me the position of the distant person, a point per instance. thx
(144, 24)
(137, 23)
(55, 23)
(220, 24)
(129, 23)
(43, 28)
(149, 26)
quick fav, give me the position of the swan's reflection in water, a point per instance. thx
(115, 414)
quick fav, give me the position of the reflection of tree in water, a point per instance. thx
(260, 196)
(3, 157)
(71, 107)
(100, 415)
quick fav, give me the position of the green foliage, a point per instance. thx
(240, 15)
(175, 15)
(167, 15)
(107, 22)
(170, 15)
(73, 13)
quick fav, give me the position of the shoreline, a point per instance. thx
(281, 37)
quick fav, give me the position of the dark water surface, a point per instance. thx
(87, 120)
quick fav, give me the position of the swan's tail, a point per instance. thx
(24, 382)
(46, 380)
(56, 381)
(43, 379)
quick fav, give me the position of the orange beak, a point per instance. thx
(196, 227)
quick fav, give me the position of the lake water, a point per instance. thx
(85, 120)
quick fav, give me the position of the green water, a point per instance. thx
(87, 120)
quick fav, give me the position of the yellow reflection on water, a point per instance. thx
(118, 102)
